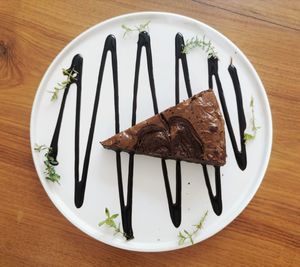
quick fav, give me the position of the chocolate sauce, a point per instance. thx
(126, 209)
(216, 200)
(179, 44)
(77, 66)
(144, 41)
(175, 207)
(80, 185)
(240, 156)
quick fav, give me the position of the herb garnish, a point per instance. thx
(49, 162)
(202, 43)
(71, 77)
(247, 136)
(139, 28)
(109, 221)
(185, 235)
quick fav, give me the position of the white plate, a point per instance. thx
(152, 225)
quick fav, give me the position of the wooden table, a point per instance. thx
(34, 233)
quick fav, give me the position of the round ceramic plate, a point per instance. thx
(152, 226)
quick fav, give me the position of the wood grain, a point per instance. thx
(34, 233)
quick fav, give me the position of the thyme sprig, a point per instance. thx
(40, 148)
(71, 77)
(188, 236)
(254, 127)
(206, 46)
(110, 222)
(49, 163)
(138, 28)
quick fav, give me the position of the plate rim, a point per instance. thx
(244, 203)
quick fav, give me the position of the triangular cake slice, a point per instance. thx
(191, 131)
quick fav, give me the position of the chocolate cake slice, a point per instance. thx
(191, 131)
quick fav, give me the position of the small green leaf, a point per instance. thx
(252, 102)
(71, 77)
(111, 223)
(102, 223)
(107, 212)
(54, 96)
(39, 148)
(138, 28)
(190, 235)
(180, 235)
(196, 42)
(181, 242)
(186, 232)
(49, 161)
(248, 137)
(126, 28)
(114, 216)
